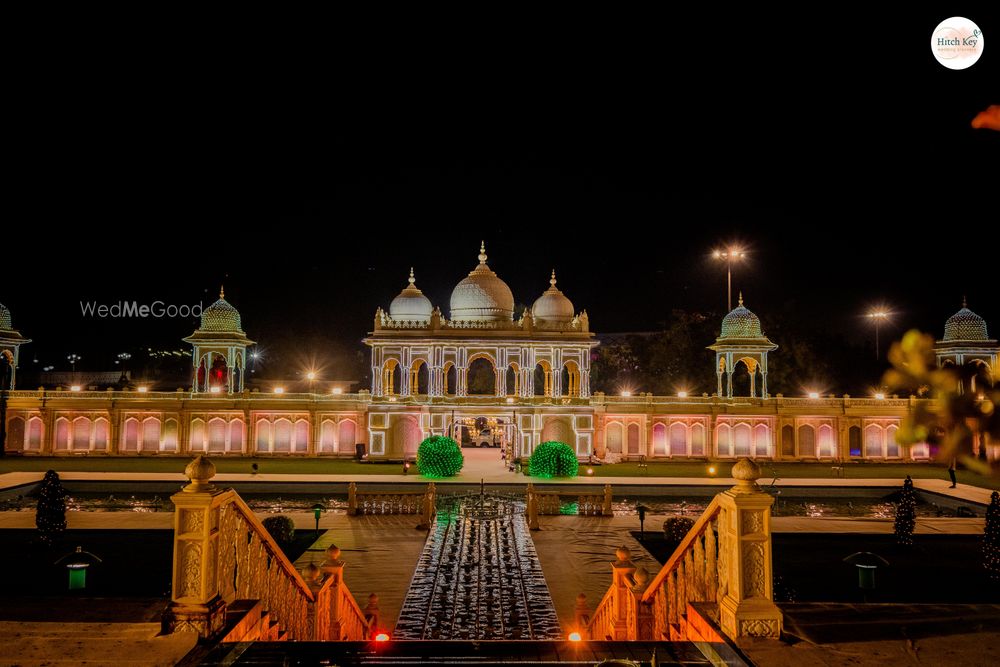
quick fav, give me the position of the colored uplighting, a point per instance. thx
(279, 390)
(813, 394)
(338, 390)
(381, 637)
(575, 637)
(142, 390)
(880, 396)
(682, 394)
(75, 387)
(626, 393)
(215, 389)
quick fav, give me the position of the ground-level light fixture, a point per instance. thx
(311, 375)
(317, 513)
(337, 390)
(381, 637)
(142, 390)
(590, 471)
(813, 394)
(711, 470)
(215, 389)
(682, 394)
(867, 563)
(76, 563)
(575, 637)
(879, 396)
(75, 387)
(626, 394)
(279, 390)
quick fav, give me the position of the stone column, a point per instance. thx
(196, 605)
(606, 507)
(747, 609)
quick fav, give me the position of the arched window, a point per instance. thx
(217, 435)
(920, 450)
(450, 376)
(81, 433)
(169, 443)
(301, 436)
(236, 435)
(130, 435)
(282, 436)
(854, 440)
(15, 434)
(391, 380)
(328, 437)
(788, 441)
(34, 442)
(100, 434)
(826, 448)
(873, 442)
(481, 377)
(633, 439)
(741, 439)
(420, 381)
(197, 439)
(614, 438)
(891, 446)
(62, 433)
(347, 435)
(571, 379)
(761, 440)
(723, 440)
(542, 378)
(678, 439)
(263, 435)
(660, 439)
(511, 381)
(697, 440)
(150, 435)
(807, 441)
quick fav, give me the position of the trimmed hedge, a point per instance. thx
(439, 456)
(553, 459)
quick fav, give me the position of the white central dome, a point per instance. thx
(482, 296)
(411, 304)
(553, 305)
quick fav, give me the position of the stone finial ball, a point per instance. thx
(200, 470)
(582, 597)
(333, 552)
(311, 572)
(623, 553)
(746, 470)
(641, 576)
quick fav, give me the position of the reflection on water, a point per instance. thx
(799, 504)
(478, 577)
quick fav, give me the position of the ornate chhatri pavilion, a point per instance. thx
(525, 376)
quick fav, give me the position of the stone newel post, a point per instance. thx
(606, 507)
(621, 580)
(195, 604)
(747, 606)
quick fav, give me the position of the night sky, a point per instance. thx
(852, 177)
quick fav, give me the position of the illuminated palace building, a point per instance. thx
(484, 373)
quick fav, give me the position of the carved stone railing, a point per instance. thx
(422, 503)
(222, 553)
(724, 560)
(550, 502)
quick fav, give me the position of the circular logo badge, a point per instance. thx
(957, 43)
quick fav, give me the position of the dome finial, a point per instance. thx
(222, 291)
(412, 279)
(482, 252)
(741, 297)
(964, 303)
(552, 280)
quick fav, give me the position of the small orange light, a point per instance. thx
(711, 470)
(575, 637)
(381, 637)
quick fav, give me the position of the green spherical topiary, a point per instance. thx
(439, 456)
(281, 528)
(553, 459)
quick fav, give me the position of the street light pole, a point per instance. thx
(878, 316)
(729, 255)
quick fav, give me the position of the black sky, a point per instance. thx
(837, 150)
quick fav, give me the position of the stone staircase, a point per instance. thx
(248, 622)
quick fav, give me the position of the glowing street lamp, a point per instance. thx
(72, 359)
(878, 316)
(311, 376)
(730, 254)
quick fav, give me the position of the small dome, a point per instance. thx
(741, 323)
(411, 304)
(552, 305)
(482, 296)
(221, 316)
(5, 321)
(965, 325)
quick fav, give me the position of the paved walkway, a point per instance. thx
(380, 554)
(35, 644)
